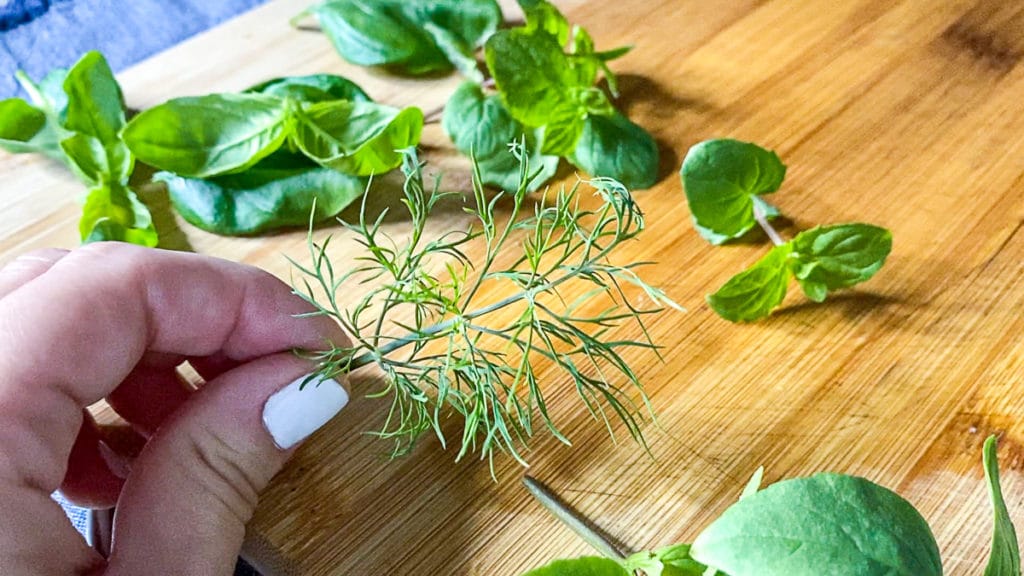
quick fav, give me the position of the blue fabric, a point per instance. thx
(39, 35)
(78, 516)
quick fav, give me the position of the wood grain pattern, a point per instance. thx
(907, 114)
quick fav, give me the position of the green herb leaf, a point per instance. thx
(95, 105)
(825, 524)
(48, 94)
(311, 89)
(668, 561)
(533, 75)
(722, 179)
(208, 135)
(25, 128)
(585, 566)
(395, 33)
(543, 16)
(1004, 559)
(828, 258)
(754, 484)
(279, 191)
(114, 213)
(95, 163)
(359, 138)
(481, 127)
(755, 292)
(614, 147)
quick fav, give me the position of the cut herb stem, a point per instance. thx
(762, 219)
(578, 523)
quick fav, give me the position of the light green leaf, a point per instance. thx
(532, 74)
(722, 178)
(458, 53)
(25, 128)
(614, 147)
(755, 292)
(95, 105)
(208, 135)
(668, 561)
(1004, 560)
(481, 127)
(95, 163)
(543, 16)
(585, 566)
(114, 213)
(825, 524)
(278, 192)
(563, 130)
(827, 258)
(358, 138)
(311, 89)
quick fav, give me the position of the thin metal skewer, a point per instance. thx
(569, 516)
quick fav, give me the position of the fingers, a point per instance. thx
(83, 328)
(27, 267)
(90, 480)
(195, 484)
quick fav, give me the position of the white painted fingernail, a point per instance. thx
(291, 414)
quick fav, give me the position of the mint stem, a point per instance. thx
(762, 219)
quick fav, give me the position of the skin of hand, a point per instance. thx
(113, 321)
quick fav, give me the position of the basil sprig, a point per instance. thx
(262, 159)
(724, 181)
(823, 524)
(76, 116)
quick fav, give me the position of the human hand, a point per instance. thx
(113, 321)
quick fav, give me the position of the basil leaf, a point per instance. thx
(614, 147)
(532, 74)
(825, 524)
(374, 33)
(95, 163)
(755, 292)
(828, 258)
(312, 88)
(544, 17)
(481, 127)
(208, 135)
(279, 191)
(359, 138)
(114, 213)
(458, 53)
(1004, 560)
(48, 94)
(722, 179)
(25, 128)
(585, 566)
(405, 36)
(95, 104)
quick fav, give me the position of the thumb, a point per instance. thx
(185, 504)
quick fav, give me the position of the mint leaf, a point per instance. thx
(358, 138)
(1004, 560)
(112, 212)
(481, 127)
(755, 292)
(208, 135)
(828, 258)
(312, 88)
(585, 566)
(825, 524)
(614, 147)
(279, 191)
(722, 180)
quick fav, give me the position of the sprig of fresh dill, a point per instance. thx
(457, 356)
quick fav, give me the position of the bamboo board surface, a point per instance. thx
(906, 114)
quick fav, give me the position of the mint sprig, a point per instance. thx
(724, 180)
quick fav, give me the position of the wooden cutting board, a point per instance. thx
(905, 114)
